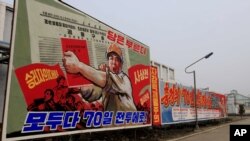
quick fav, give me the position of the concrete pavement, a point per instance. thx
(220, 133)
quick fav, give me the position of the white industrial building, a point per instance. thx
(6, 15)
(234, 99)
(165, 73)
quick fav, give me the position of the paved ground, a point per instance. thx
(219, 133)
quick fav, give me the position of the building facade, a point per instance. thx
(165, 73)
(234, 99)
(6, 15)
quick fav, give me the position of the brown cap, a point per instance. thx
(115, 49)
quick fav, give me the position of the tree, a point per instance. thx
(241, 110)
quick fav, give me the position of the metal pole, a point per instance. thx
(4, 46)
(195, 104)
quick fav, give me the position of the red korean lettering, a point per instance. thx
(120, 40)
(111, 35)
(143, 50)
(129, 43)
(136, 48)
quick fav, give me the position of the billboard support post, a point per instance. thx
(195, 103)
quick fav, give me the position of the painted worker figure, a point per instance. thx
(110, 83)
(60, 90)
(44, 104)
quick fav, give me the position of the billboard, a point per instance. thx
(71, 73)
(177, 104)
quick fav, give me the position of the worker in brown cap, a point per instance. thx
(115, 59)
(110, 83)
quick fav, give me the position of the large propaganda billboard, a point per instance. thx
(70, 73)
(174, 103)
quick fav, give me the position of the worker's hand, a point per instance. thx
(71, 62)
(103, 67)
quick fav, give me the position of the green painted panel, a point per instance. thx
(17, 109)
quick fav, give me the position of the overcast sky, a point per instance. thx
(180, 32)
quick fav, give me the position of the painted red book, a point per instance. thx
(79, 48)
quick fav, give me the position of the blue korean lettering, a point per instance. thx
(142, 117)
(135, 117)
(54, 120)
(107, 119)
(97, 119)
(128, 117)
(34, 122)
(89, 115)
(119, 117)
(71, 119)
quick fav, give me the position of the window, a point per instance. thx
(164, 73)
(171, 74)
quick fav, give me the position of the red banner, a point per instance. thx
(140, 80)
(155, 96)
(219, 102)
(34, 79)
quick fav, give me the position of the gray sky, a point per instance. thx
(180, 32)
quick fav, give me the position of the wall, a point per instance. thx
(3, 74)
